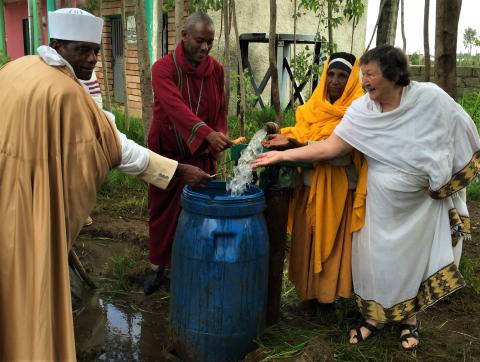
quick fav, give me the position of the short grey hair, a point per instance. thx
(196, 17)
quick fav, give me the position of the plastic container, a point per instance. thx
(219, 273)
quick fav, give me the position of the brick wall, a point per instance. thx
(113, 8)
(171, 25)
(468, 78)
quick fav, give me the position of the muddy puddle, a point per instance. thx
(117, 322)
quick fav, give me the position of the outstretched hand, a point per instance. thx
(280, 142)
(267, 158)
(193, 175)
(218, 141)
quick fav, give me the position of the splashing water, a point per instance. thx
(243, 172)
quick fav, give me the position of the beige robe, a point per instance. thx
(56, 147)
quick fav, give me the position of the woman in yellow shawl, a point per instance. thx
(320, 217)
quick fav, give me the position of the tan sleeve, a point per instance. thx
(159, 171)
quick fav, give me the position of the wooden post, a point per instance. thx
(179, 9)
(106, 86)
(144, 68)
(243, 102)
(125, 90)
(51, 6)
(3, 45)
(159, 16)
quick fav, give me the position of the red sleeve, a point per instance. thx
(166, 91)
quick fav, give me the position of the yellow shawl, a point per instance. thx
(56, 147)
(316, 120)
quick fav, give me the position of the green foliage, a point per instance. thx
(471, 104)
(341, 10)
(416, 59)
(469, 267)
(465, 60)
(113, 191)
(135, 130)
(4, 59)
(205, 5)
(469, 39)
(302, 63)
(125, 267)
(250, 96)
(90, 6)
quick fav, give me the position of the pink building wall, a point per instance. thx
(15, 12)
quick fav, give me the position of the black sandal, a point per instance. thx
(413, 333)
(358, 331)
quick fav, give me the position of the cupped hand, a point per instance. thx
(218, 141)
(276, 142)
(193, 175)
(267, 158)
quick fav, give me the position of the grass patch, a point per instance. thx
(126, 268)
(470, 269)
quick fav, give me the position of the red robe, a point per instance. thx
(178, 131)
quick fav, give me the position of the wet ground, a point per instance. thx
(112, 324)
(118, 323)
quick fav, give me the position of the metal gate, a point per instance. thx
(117, 60)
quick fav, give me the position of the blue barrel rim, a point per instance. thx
(253, 193)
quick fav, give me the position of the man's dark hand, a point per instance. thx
(192, 175)
(280, 142)
(218, 141)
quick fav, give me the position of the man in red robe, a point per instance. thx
(189, 125)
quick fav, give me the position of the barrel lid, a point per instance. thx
(214, 200)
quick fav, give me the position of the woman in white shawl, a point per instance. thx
(422, 150)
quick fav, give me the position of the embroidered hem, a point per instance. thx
(459, 226)
(439, 285)
(460, 180)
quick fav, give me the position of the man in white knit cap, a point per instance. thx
(56, 148)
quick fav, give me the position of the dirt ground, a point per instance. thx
(450, 330)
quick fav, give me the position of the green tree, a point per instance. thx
(332, 13)
(469, 39)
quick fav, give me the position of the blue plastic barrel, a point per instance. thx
(219, 273)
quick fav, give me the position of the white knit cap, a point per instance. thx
(75, 24)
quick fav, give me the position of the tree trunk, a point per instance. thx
(426, 44)
(179, 10)
(382, 4)
(125, 86)
(292, 86)
(106, 87)
(144, 67)
(159, 29)
(402, 25)
(226, 54)
(447, 15)
(272, 56)
(243, 102)
(387, 24)
(329, 26)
